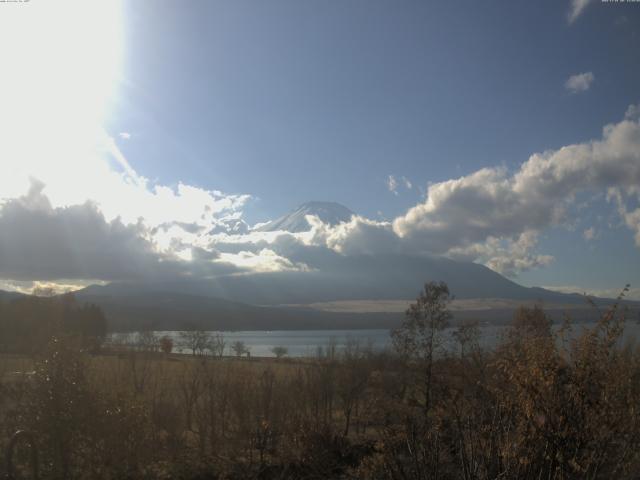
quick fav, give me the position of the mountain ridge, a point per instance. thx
(130, 307)
(354, 279)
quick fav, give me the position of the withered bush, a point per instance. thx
(547, 402)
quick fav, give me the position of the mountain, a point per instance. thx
(162, 306)
(295, 221)
(356, 277)
(335, 277)
(140, 307)
(293, 300)
(299, 299)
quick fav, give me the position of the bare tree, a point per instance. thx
(166, 344)
(530, 323)
(420, 334)
(279, 351)
(147, 341)
(352, 378)
(217, 345)
(467, 335)
(198, 341)
(239, 348)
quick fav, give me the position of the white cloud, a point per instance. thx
(265, 260)
(166, 217)
(356, 237)
(589, 234)
(494, 204)
(392, 184)
(124, 135)
(576, 9)
(630, 216)
(100, 173)
(39, 242)
(46, 288)
(580, 82)
(633, 112)
(508, 256)
(632, 294)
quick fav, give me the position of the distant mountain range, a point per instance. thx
(356, 277)
(131, 307)
(294, 300)
(167, 310)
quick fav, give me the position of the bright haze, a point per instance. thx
(219, 144)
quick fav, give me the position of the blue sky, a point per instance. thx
(292, 101)
(266, 105)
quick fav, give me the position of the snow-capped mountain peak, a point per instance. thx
(295, 221)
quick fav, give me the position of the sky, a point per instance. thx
(146, 138)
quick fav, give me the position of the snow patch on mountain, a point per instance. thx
(330, 213)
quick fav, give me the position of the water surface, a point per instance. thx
(305, 343)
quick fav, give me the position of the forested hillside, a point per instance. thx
(27, 323)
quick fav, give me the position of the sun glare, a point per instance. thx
(61, 66)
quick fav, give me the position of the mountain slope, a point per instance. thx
(145, 308)
(364, 277)
(295, 221)
(8, 296)
(263, 300)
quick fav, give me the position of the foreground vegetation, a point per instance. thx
(541, 405)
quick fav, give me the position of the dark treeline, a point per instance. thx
(28, 323)
(543, 404)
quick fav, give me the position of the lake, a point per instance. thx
(305, 343)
